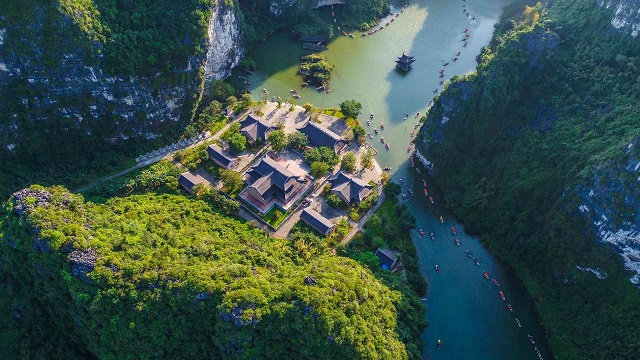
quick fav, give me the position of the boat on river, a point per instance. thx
(314, 47)
(486, 275)
(496, 282)
(502, 296)
(421, 232)
(457, 241)
(431, 199)
(432, 235)
(437, 269)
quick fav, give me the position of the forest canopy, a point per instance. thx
(166, 276)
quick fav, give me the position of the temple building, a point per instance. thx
(405, 62)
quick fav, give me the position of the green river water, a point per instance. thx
(465, 311)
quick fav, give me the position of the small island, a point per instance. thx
(316, 70)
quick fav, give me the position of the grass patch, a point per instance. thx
(275, 216)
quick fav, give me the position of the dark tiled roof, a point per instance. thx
(317, 221)
(255, 129)
(386, 258)
(189, 180)
(268, 174)
(218, 155)
(406, 59)
(320, 136)
(349, 188)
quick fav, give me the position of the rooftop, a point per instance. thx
(316, 220)
(320, 136)
(350, 189)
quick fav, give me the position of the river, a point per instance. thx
(465, 311)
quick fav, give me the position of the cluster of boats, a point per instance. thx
(393, 18)
(455, 58)
(375, 130)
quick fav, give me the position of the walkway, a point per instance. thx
(364, 219)
(156, 159)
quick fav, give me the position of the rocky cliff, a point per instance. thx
(225, 45)
(627, 15)
(74, 85)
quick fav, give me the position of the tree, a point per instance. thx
(237, 142)
(308, 107)
(318, 169)
(232, 180)
(231, 100)
(297, 140)
(334, 201)
(348, 163)
(359, 134)
(350, 108)
(392, 190)
(247, 99)
(323, 154)
(278, 140)
(366, 159)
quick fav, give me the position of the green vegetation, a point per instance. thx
(278, 140)
(366, 159)
(348, 162)
(319, 169)
(275, 216)
(297, 140)
(322, 154)
(334, 201)
(539, 124)
(362, 14)
(350, 109)
(315, 69)
(390, 226)
(232, 181)
(142, 264)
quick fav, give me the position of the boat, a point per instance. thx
(424, 183)
(370, 135)
(432, 235)
(371, 116)
(437, 269)
(458, 53)
(423, 299)
(382, 139)
(314, 47)
(409, 149)
(457, 241)
(344, 33)
(465, 45)
(293, 91)
(486, 275)
(320, 88)
(421, 232)
(469, 254)
(247, 82)
(387, 146)
(496, 282)
(510, 307)
(410, 192)
(304, 84)
(296, 96)
(455, 59)
(475, 259)
(445, 64)
(404, 196)
(381, 126)
(502, 296)
(438, 344)
(386, 168)
(465, 30)
(441, 220)
(431, 199)
(435, 91)
(441, 76)
(518, 323)
(375, 131)
(351, 36)
(441, 71)
(265, 91)
(453, 230)
(531, 338)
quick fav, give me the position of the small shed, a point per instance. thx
(189, 180)
(317, 221)
(388, 259)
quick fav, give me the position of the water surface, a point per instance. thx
(465, 311)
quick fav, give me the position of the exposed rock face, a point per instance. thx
(28, 199)
(82, 263)
(611, 202)
(76, 87)
(225, 43)
(627, 15)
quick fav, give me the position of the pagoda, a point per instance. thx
(405, 62)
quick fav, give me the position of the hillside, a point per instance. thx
(537, 153)
(165, 276)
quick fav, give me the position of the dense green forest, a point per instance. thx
(166, 276)
(555, 95)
